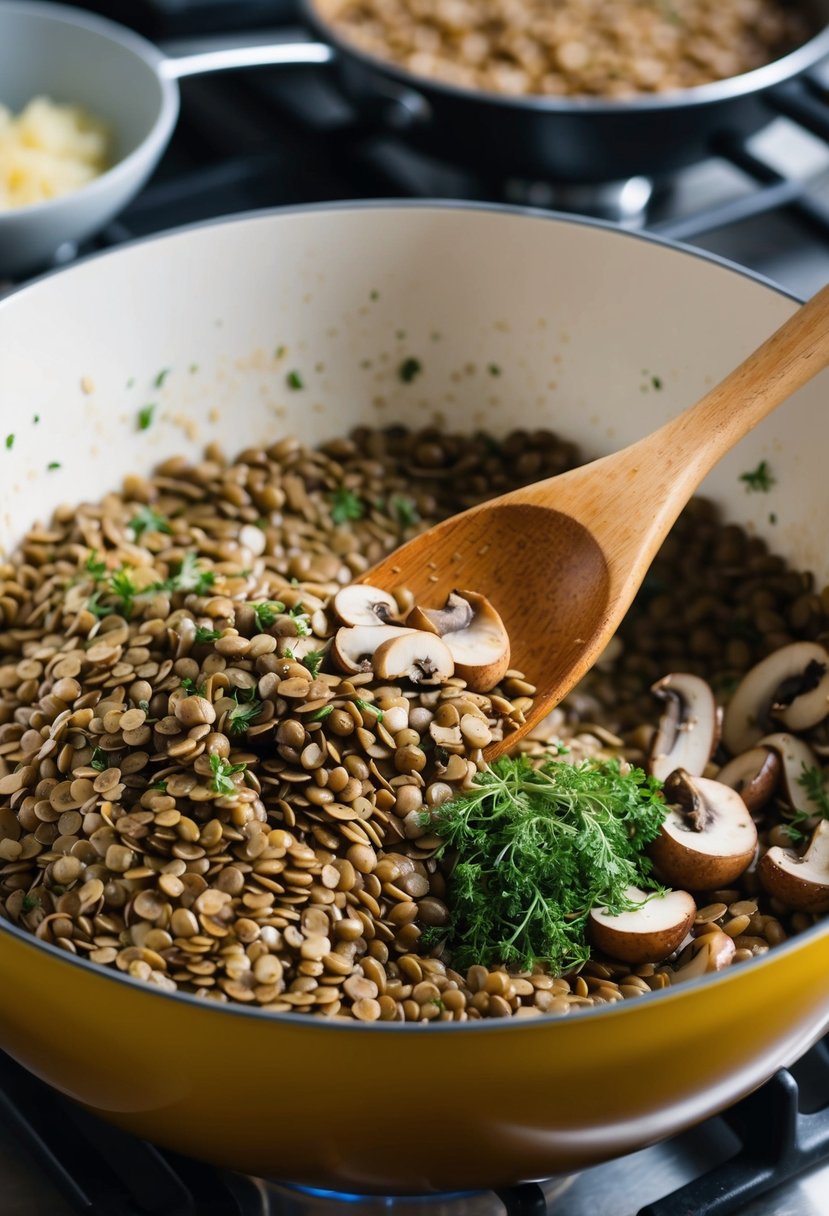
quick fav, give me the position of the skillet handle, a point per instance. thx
(226, 59)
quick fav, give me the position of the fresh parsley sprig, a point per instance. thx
(536, 849)
(812, 781)
(222, 770)
(266, 612)
(346, 506)
(244, 711)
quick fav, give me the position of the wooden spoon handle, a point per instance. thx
(790, 358)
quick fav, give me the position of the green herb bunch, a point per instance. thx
(535, 848)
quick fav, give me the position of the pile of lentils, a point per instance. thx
(563, 48)
(191, 794)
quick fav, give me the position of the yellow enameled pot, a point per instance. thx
(582, 322)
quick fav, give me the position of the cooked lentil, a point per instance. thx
(287, 865)
(606, 48)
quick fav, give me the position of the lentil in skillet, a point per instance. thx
(190, 793)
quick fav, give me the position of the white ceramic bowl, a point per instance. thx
(73, 56)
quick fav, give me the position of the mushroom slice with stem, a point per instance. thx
(421, 657)
(454, 615)
(688, 728)
(799, 882)
(353, 647)
(647, 933)
(754, 775)
(791, 685)
(795, 757)
(711, 952)
(708, 838)
(362, 604)
(480, 648)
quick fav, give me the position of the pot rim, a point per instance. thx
(788, 66)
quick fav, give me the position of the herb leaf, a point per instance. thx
(266, 613)
(189, 577)
(145, 417)
(99, 760)
(539, 847)
(813, 782)
(222, 771)
(759, 480)
(240, 717)
(95, 567)
(148, 520)
(207, 635)
(409, 370)
(403, 510)
(345, 505)
(312, 661)
(369, 705)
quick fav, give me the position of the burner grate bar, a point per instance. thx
(778, 1142)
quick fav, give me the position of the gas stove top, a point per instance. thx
(263, 139)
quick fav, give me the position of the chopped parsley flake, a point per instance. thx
(369, 706)
(222, 770)
(409, 370)
(99, 760)
(189, 577)
(206, 635)
(813, 782)
(266, 613)
(10, 441)
(148, 520)
(30, 902)
(759, 479)
(294, 380)
(345, 505)
(240, 717)
(312, 661)
(159, 785)
(656, 381)
(95, 567)
(36, 419)
(493, 369)
(53, 464)
(162, 376)
(403, 510)
(145, 417)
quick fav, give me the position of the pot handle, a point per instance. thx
(226, 59)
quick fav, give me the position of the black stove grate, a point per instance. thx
(783, 1128)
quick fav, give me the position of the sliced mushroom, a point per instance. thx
(711, 952)
(647, 934)
(481, 648)
(799, 882)
(353, 647)
(754, 775)
(688, 729)
(361, 604)
(708, 838)
(421, 657)
(454, 615)
(791, 685)
(795, 755)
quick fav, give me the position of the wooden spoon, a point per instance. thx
(561, 560)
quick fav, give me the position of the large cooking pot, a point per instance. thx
(572, 312)
(77, 57)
